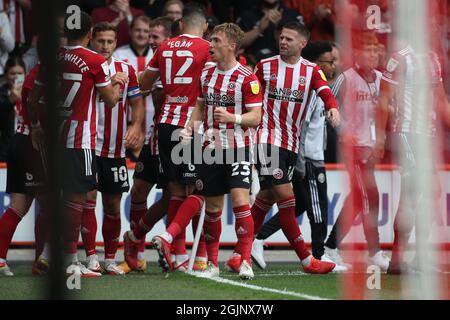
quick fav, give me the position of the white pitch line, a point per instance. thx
(259, 288)
(276, 274)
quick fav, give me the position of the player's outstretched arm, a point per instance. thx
(147, 78)
(196, 117)
(134, 135)
(250, 119)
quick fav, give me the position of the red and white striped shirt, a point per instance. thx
(180, 62)
(128, 54)
(15, 15)
(236, 90)
(286, 89)
(112, 122)
(23, 120)
(402, 72)
(82, 70)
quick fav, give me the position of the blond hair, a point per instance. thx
(233, 32)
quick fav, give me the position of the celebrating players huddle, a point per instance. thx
(204, 99)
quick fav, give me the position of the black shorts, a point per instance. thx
(275, 165)
(184, 173)
(25, 172)
(112, 175)
(78, 170)
(148, 168)
(219, 178)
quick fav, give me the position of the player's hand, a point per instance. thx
(133, 136)
(186, 135)
(334, 117)
(38, 138)
(223, 116)
(377, 152)
(119, 78)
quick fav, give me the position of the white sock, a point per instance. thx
(203, 259)
(181, 258)
(141, 255)
(307, 261)
(110, 261)
(46, 252)
(167, 236)
(2, 260)
(72, 258)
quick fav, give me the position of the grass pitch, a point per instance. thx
(280, 281)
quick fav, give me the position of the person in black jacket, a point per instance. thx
(10, 95)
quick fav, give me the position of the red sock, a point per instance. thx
(184, 214)
(8, 224)
(259, 212)
(289, 225)
(111, 233)
(73, 212)
(201, 249)
(89, 227)
(212, 230)
(40, 233)
(244, 231)
(137, 211)
(155, 213)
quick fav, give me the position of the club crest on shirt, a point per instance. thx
(231, 86)
(273, 76)
(302, 80)
(392, 65)
(254, 85)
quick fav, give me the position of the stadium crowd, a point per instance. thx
(127, 34)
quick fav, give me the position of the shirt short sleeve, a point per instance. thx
(251, 92)
(101, 72)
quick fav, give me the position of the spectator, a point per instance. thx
(159, 31)
(173, 9)
(10, 94)
(89, 5)
(259, 25)
(319, 16)
(15, 13)
(153, 8)
(120, 14)
(6, 41)
(221, 9)
(30, 57)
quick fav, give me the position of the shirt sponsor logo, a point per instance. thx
(219, 100)
(170, 99)
(286, 94)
